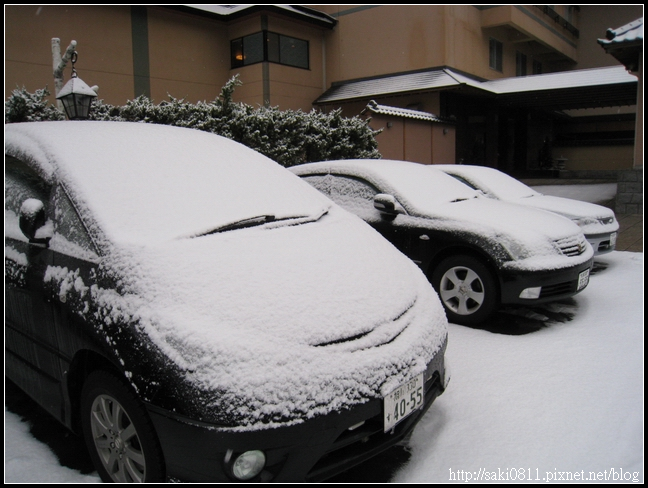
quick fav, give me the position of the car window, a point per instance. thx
(464, 181)
(21, 183)
(70, 235)
(320, 182)
(351, 193)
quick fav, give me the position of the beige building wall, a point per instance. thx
(189, 56)
(375, 40)
(296, 88)
(596, 158)
(103, 34)
(595, 20)
(639, 140)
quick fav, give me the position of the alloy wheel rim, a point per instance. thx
(116, 441)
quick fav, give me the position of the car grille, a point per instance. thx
(564, 288)
(354, 446)
(572, 246)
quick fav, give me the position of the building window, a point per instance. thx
(537, 67)
(495, 49)
(269, 46)
(520, 64)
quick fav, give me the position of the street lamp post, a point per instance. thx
(76, 95)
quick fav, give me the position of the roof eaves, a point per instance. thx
(395, 84)
(380, 109)
(629, 33)
(231, 12)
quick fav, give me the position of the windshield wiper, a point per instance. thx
(261, 220)
(240, 224)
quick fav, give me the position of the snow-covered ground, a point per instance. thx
(561, 402)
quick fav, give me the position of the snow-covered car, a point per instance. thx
(199, 313)
(478, 253)
(597, 222)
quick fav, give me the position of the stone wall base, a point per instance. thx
(629, 197)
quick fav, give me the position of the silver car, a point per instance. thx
(597, 222)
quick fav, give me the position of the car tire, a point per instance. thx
(466, 288)
(118, 432)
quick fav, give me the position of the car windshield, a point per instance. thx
(419, 187)
(496, 183)
(160, 183)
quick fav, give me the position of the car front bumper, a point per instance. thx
(602, 243)
(311, 451)
(554, 284)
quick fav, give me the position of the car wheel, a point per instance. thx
(118, 432)
(466, 288)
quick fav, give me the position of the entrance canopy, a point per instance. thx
(589, 88)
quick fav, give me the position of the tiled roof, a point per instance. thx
(376, 108)
(631, 32)
(625, 44)
(389, 85)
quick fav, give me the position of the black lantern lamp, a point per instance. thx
(76, 96)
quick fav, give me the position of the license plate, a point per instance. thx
(583, 279)
(613, 239)
(404, 400)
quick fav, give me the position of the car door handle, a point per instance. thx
(424, 237)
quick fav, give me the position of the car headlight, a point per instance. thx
(247, 465)
(583, 221)
(516, 250)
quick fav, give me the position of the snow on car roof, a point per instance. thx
(141, 184)
(421, 186)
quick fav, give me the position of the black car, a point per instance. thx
(478, 253)
(182, 302)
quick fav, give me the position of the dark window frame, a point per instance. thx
(273, 46)
(495, 54)
(520, 64)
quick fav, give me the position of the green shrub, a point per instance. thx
(288, 137)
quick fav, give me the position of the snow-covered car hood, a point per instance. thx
(286, 321)
(533, 237)
(590, 217)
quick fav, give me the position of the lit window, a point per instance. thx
(269, 46)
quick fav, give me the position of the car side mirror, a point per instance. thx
(387, 205)
(32, 219)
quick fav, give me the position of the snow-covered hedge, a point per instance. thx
(23, 106)
(289, 137)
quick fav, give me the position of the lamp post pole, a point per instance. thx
(59, 64)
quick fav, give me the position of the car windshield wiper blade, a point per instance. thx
(261, 220)
(240, 224)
